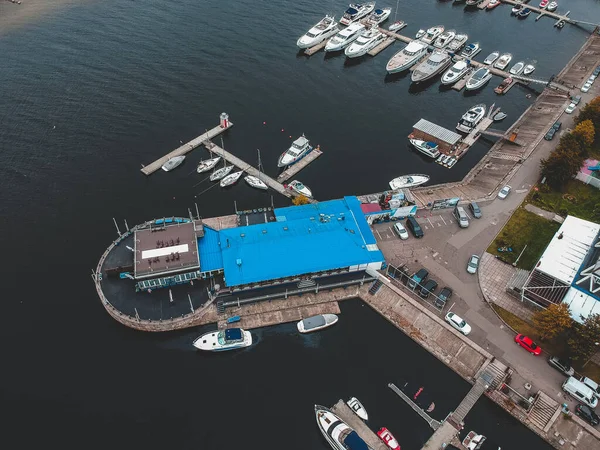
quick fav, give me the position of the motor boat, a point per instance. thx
(491, 57)
(379, 16)
(172, 163)
(444, 39)
(220, 173)
(471, 118)
(407, 57)
(552, 6)
(479, 79)
(397, 25)
(499, 116)
(516, 9)
(357, 407)
(321, 31)
(560, 24)
(228, 339)
(427, 148)
(528, 69)
(316, 323)
(356, 11)
(458, 42)
(502, 87)
(300, 188)
(231, 178)
(432, 34)
(473, 2)
(255, 182)
(345, 37)
(365, 42)
(503, 61)
(458, 1)
(473, 441)
(455, 72)
(300, 148)
(338, 433)
(207, 165)
(524, 13)
(493, 3)
(471, 50)
(517, 68)
(408, 181)
(388, 438)
(420, 34)
(544, 3)
(437, 62)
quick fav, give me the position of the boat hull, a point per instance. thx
(357, 407)
(408, 181)
(207, 165)
(221, 173)
(328, 320)
(479, 84)
(421, 147)
(173, 163)
(209, 342)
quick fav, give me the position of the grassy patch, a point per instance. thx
(578, 199)
(591, 370)
(524, 228)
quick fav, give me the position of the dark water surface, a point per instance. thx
(96, 89)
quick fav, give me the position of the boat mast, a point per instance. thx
(396, 11)
(259, 164)
(223, 147)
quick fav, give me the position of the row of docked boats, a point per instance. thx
(502, 60)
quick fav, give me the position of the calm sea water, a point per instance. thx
(90, 90)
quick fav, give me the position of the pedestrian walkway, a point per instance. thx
(543, 213)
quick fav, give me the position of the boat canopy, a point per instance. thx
(233, 334)
(313, 322)
(351, 11)
(354, 442)
(300, 142)
(379, 12)
(437, 132)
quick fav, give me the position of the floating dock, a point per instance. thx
(542, 12)
(435, 424)
(460, 84)
(344, 412)
(297, 167)
(381, 47)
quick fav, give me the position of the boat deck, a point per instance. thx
(484, 4)
(297, 167)
(343, 411)
(381, 47)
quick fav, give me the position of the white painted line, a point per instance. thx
(439, 224)
(429, 220)
(379, 234)
(443, 220)
(391, 231)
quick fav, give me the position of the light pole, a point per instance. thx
(592, 355)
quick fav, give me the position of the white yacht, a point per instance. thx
(427, 148)
(458, 42)
(438, 61)
(444, 39)
(326, 28)
(173, 163)
(231, 178)
(471, 118)
(220, 173)
(420, 34)
(300, 188)
(432, 33)
(300, 148)
(379, 16)
(356, 11)
(503, 61)
(364, 43)
(492, 57)
(337, 432)
(357, 407)
(406, 57)
(408, 181)
(471, 50)
(229, 339)
(208, 164)
(455, 72)
(479, 78)
(345, 37)
(528, 69)
(256, 182)
(517, 68)
(316, 323)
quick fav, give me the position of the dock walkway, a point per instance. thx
(543, 12)
(297, 167)
(435, 424)
(344, 412)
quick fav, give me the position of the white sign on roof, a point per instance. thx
(157, 252)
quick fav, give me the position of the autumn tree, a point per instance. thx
(586, 339)
(591, 111)
(584, 132)
(552, 321)
(574, 143)
(300, 200)
(560, 167)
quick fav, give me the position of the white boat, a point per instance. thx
(427, 148)
(408, 181)
(345, 37)
(300, 188)
(358, 408)
(365, 42)
(458, 42)
(300, 148)
(455, 72)
(517, 68)
(231, 178)
(516, 9)
(397, 25)
(379, 16)
(444, 39)
(356, 11)
(479, 78)
(471, 118)
(528, 69)
(432, 34)
(255, 182)
(407, 57)
(473, 441)
(492, 57)
(499, 116)
(437, 62)
(173, 163)
(207, 165)
(316, 323)
(471, 50)
(338, 433)
(229, 339)
(321, 31)
(420, 34)
(221, 173)
(552, 6)
(503, 61)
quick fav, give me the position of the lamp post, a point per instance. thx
(592, 355)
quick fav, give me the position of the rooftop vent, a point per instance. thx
(285, 228)
(242, 235)
(264, 231)
(238, 262)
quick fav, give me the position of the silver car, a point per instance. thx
(473, 264)
(504, 192)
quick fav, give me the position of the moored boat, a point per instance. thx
(388, 438)
(406, 57)
(444, 39)
(209, 164)
(321, 31)
(473, 441)
(471, 118)
(420, 34)
(173, 163)
(437, 62)
(379, 16)
(408, 181)
(493, 3)
(220, 173)
(491, 57)
(517, 68)
(552, 6)
(255, 182)
(458, 42)
(544, 3)
(524, 13)
(479, 79)
(397, 25)
(528, 69)
(503, 61)
(365, 42)
(427, 148)
(300, 188)
(502, 87)
(228, 339)
(356, 11)
(499, 116)
(345, 37)
(357, 407)
(516, 9)
(472, 3)
(455, 72)
(471, 50)
(299, 148)
(316, 323)
(338, 433)
(432, 33)
(231, 178)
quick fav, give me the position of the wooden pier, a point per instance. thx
(435, 424)
(312, 50)
(542, 12)
(483, 4)
(381, 47)
(297, 167)
(185, 148)
(343, 411)
(460, 84)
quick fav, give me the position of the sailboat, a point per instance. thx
(208, 164)
(223, 171)
(398, 24)
(256, 182)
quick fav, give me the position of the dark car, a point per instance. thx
(414, 227)
(443, 297)
(550, 134)
(418, 278)
(587, 414)
(597, 71)
(474, 207)
(557, 125)
(576, 99)
(428, 288)
(562, 365)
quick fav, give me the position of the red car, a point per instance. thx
(528, 344)
(388, 438)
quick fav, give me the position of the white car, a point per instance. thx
(473, 264)
(570, 108)
(458, 323)
(401, 231)
(591, 79)
(586, 87)
(504, 192)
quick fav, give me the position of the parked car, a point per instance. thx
(576, 99)
(587, 414)
(597, 71)
(592, 385)
(504, 192)
(418, 278)
(562, 365)
(473, 264)
(550, 134)
(401, 231)
(458, 323)
(443, 297)
(414, 227)
(474, 207)
(528, 344)
(556, 125)
(428, 288)
(591, 79)
(586, 87)
(570, 108)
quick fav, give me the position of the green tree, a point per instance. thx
(574, 143)
(560, 167)
(552, 321)
(585, 132)
(591, 111)
(585, 340)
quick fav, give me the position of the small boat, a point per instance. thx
(552, 6)
(503, 61)
(388, 438)
(408, 181)
(173, 163)
(436, 63)
(493, 3)
(491, 57)
(345, 37)
(300, 188)
(365, 42)
(524, 13)
(473, 441)
(407, 57)
(432, 33)
(356, 11)
(471, 118)
(321, 31)
(256, 182)
(528, 69)
(517, 68)
(316, 323)
(560, 24)
(221, 173)
(358, 408)
(458, 1)
(458, 42)
(503, 86)
(233, 319)
(337, 432)
(516, 9)
(300, 148)
(471, 50)
(479, 79)
(397, 25)
(544, 3)
(231, 178)
(499, 116)
(207, 165)
(228, 339)
(420, 34)
(427, 148)
(379, 16)
(471, 3)
(444, 39)
(455, 72)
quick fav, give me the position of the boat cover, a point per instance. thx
(313, 322)
(233, 334)
(354, 442)
(378, 12)
(351, 11)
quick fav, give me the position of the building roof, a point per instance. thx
(581, 304)
(568, 248)
(440, 133)
(210, 251)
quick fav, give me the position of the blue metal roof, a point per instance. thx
(210, 251)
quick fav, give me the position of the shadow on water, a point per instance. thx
(396, 77)
(417, 88)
